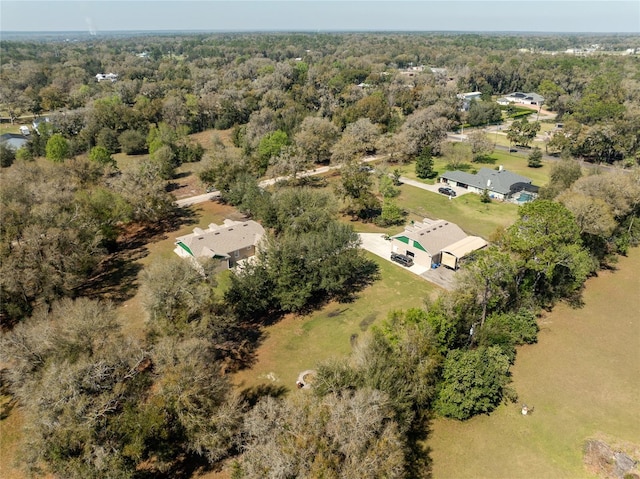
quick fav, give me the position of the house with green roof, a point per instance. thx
(426, 242)
(230, 242)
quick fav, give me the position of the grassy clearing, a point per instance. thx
(10, 435)
(583, 380)
(467, 211)
(298, 343)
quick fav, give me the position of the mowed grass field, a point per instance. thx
(467, 211)
(298, 343)
(582, 378)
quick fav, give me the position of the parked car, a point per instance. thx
(446, 191)
(402, 259)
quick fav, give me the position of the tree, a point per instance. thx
(490, 276)
(316, 138)
(7, 155)
(473, 382)
(546, 239)
(269, 147)
(132, 142)
(99, 405)
(145, 190)
(57, 148)
(484, 113)
(480, 143)
(563, 174)
(508, 330)
(176, 292)
(341, 435)
(359, 139)
(391, 214)
(387, 186)
(289, 163)
(534, 160)
(522, 132)
(101, 155)
(426, 128)
(356, 188)
(424, 164)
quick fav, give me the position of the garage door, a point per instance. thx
(449, 260)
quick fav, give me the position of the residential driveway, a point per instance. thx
(376, 244)
(432, 188)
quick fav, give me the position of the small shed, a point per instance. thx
(452, 254)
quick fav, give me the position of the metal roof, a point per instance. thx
(221, 240)
(461, 248)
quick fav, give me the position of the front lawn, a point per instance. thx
(467, 211)
(298, 343)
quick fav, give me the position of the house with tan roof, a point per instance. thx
(230, 242)
(430, 241)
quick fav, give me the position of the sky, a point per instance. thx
(95, 16)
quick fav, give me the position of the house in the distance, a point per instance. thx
(39, 121)
(106, 76)
(433, 242)
(230, 242)
(501, 184)
(521, 98)
(467, 98)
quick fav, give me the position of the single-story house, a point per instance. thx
(521, 98)
(467, 98)
(501, 184)
(427, 241)
(14, 141)
(106, 76)
(229, 242)
(39, 121)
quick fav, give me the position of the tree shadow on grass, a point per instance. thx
(115, 278)
(253, 394)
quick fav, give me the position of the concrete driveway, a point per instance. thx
(433, 188)
(378, 245)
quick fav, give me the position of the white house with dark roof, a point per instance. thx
(467, 98)
(427, 241)
(230, 242)
(501, 184)
(522, 99)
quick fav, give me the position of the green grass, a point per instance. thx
(298, 343)
(581, 378)
(514, 162)
(467, 211)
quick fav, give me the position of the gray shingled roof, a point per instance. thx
(222, 240)
(493, 180)
(14, 140)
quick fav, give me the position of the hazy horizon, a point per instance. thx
(330, 16)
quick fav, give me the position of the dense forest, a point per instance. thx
(98, 403)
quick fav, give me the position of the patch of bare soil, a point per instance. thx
(609, 458)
